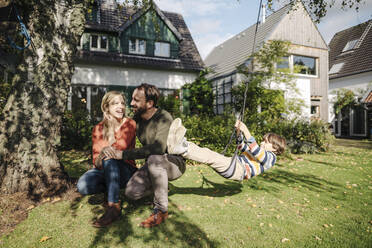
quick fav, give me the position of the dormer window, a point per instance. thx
(350, 45)
(335, 68)
(137, 46)
(162, 49)
(98, 43)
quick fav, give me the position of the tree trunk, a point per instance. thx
(31, 119)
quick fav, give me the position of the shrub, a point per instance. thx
(171, 103)
(302, 136)
(76, 131)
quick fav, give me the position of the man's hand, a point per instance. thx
(110, 152)
(241, 127)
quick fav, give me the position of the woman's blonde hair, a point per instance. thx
(108, 126)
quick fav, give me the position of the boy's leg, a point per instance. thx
(223, 165)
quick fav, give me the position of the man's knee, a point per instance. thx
(132, 194)
(155, 159)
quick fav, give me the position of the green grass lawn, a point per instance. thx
(320, 200)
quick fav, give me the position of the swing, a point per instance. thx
(229, 172)
(14, 16)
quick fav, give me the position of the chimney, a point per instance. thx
(263, 13)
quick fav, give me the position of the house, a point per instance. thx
(350, 67)
(308, 49)
(123, 47)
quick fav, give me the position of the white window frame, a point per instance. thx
(162, 48)
(350, 45)
(80, 45)
(291, 66)
(137, 50)
(98, 48)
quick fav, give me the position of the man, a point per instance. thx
(152, 131)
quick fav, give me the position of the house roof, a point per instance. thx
(224, 58)
(367, 98)
(356, 60)
(113, 19)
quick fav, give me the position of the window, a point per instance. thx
(137, 46)
(162, 49)
(315, 110)
(283, 64)
(98, 42)
(223, 96)
(336, 68)
(304, 65)
(350, 45)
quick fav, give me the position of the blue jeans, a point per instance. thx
(114, 176)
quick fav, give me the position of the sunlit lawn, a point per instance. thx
(321, 200)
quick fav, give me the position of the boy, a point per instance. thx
(252, 161)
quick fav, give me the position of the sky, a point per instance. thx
(212, 22)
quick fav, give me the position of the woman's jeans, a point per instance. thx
(114, 176)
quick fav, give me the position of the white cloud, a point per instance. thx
(203, 26)
(207, 42)
(193, 7)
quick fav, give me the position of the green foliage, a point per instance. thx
(264, 103)
(76, 131)
(212, 132)
(200, 95)
(304, 136)
(171, 103)
(344, 98)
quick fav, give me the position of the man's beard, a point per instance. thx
(139, 111)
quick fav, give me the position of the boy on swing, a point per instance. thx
(252, 161)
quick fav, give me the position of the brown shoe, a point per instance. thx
(155, 219)
(112, 213)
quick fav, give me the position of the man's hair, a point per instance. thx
(151, 92)
(277, 141)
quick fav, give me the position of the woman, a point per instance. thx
(109, 175)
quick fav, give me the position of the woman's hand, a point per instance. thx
(241, 127)
(98, 161)
(110, 152)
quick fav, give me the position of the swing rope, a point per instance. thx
(23, 32)
(241, 114)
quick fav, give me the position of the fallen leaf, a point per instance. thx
(249, 228)
(317, 238)
(325, 225)
(325, 209)
(56, 199)
(270, 225)
(45, 238)
(280, 201)
(254, 205)
(30, 207)
(285, 240)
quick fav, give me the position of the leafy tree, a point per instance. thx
(266, 86)
(31, 119)
(200, 94)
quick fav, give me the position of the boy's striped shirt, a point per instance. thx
(255, 159)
